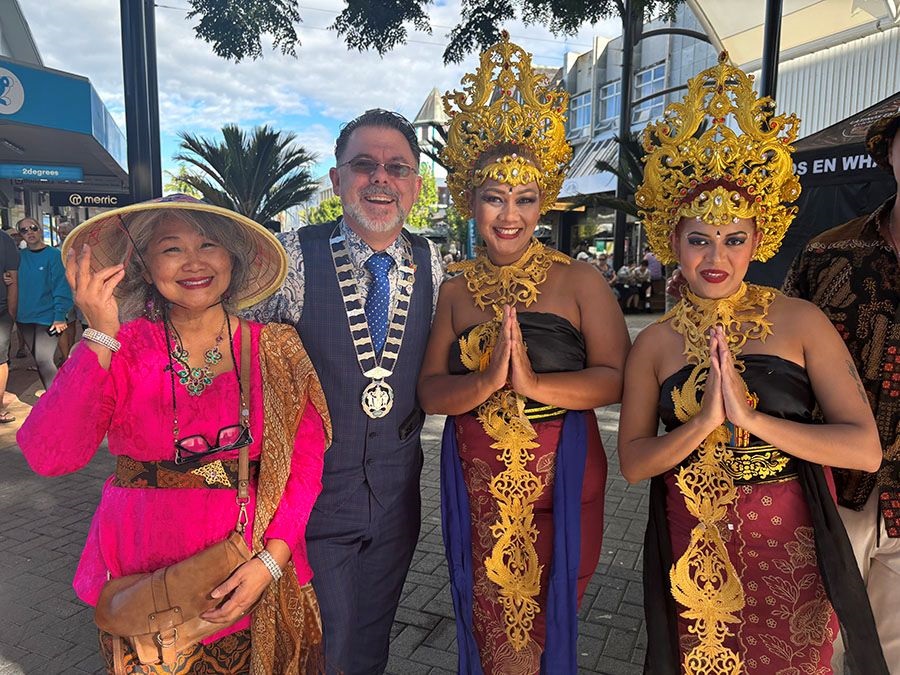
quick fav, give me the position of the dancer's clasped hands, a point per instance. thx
(509, 364)
(725, 394)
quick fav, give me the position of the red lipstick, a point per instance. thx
(714, 276)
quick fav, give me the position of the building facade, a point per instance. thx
(60, 149)
(823, 83)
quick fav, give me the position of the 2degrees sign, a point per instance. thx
(107, 200)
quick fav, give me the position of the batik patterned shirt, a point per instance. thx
(851, 272)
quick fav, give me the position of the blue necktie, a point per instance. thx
(378, 299)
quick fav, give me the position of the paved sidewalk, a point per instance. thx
(45, 629)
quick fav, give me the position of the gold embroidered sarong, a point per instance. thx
(704, 579)
(513, 563)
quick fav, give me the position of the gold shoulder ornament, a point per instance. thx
(513, 562)
(704, 580)
(494, 286)
(719, 155)
(506, 102)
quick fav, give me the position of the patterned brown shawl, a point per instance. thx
(287, 628)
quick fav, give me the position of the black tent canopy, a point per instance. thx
(839, 181)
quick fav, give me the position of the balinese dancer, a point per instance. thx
(525, 343)
(763, 575)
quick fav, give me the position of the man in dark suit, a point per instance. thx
(361, 292)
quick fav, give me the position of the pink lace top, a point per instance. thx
(140, 530)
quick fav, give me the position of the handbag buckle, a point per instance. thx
(167, 643)
(242, 519)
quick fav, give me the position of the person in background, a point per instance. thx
(624, 285)
(67, 337)
(9, 301)
(653, 264)
(44, 298)
(638, 300)
(851, 272)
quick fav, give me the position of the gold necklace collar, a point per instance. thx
(742, 316)
(498, 285)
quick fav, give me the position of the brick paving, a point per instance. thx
(45, 629)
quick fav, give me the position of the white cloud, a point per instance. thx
(200, 92)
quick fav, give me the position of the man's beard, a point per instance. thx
(356, 211)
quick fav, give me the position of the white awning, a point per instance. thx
(806, 25)
(583, 177)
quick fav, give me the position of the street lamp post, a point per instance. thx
(631, 34)
(141, 103)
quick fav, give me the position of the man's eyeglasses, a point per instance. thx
(29, 228)
(192, 448)
(367, 167)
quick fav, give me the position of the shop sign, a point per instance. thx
(41, 172)
(12, 94)
(100, 200)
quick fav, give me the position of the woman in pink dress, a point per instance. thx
(157, 375)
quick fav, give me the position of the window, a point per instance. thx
(580, 111)
(610, 100)
(647, 82)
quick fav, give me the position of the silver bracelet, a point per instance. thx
(102, 339)
(266, 559)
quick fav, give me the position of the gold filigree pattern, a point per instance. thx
(495, 286)
(513, 563)
(213, 473)
(518, 107)
(704, 580)
(697, 166)
(758, 465)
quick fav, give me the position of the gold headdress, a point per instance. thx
(517, 107)
(720, 174)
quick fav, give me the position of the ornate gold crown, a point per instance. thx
(719, 175)
(517, 107)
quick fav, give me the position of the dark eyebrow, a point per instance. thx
(528, 192)
(703, 234)
(396, 159)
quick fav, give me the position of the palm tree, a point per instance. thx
(259, 174)
(631, 175)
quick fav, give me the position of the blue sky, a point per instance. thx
(310, 95)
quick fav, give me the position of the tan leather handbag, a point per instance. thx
(159, 612)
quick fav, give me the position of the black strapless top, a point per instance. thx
(554, 344)
(783, 388)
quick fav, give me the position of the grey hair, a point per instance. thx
(138, 296)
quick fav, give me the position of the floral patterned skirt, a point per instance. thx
(787, 624)
(229, 655)
(480, 463)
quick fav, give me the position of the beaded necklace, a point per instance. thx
(194, 378)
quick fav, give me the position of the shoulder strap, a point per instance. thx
(243, 491)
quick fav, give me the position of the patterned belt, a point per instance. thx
(543, 413)
(220, 473)
(757, 464)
